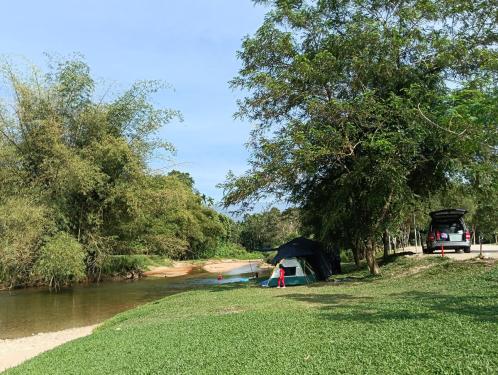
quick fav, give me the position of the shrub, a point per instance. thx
(169, 246)
(122, 265)
(22, 226)
(231, 250)
(61, 261)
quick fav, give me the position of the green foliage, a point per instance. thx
(437, 308)
(123, 265)
(231, 251)
(61, 261)
(81, 158)
(355, 116)
(23, 224)
(269, 229)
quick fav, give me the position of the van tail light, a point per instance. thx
(467, 236)
(430, 237)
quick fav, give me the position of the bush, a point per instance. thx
(123, 265)
(22, 226)
(169, 246)
(61, 261)
(231, 251)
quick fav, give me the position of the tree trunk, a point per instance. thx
(385, 240)
(356, 256)
(357, 249)
(334, 254)
(370, 255)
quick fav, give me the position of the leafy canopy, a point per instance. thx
(364, 107)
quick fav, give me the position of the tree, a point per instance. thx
(75, 162)
(269, 229)
(354, 108)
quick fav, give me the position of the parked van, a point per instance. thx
(448, 230)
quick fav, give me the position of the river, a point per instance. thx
(25, 312)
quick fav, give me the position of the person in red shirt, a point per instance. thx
(281, 278)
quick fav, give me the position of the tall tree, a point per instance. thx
(353, 108)
(269, 229)
(73, 169)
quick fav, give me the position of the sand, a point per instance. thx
(15, 351)
(211, 266)
(177, 269)
(230, 265)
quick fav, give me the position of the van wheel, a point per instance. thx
(466, 249)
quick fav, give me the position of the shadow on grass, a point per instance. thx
(339, 279)
(235, 285)
(345, 307)
(393, 257)
(331, 300)
(402, 306)
(480, 308)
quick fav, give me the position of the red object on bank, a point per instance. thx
(220, 277)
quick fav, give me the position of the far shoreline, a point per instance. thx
(177, 268)
(182, 268)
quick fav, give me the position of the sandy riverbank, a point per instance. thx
(211, 266)
(16, 351)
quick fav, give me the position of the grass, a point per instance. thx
(423, 316)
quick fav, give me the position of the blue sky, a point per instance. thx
(190, 44)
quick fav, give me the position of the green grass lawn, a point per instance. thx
(423, 316)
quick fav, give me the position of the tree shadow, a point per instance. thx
(360, 308)
(393, 257)
(232, 286)
(477, 307)
(323, 299)
(346, 307)
(351, 279)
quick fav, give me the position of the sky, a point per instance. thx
(190, 44)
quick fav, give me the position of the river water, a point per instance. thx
(26, 312)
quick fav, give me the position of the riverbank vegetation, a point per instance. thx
(423, 316)
(77, 198)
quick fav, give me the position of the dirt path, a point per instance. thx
(488, 250)
(15, 351)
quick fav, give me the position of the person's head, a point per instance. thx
(280, 266)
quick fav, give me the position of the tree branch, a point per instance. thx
(438, 126)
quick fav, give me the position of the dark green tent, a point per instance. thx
(309, 250)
